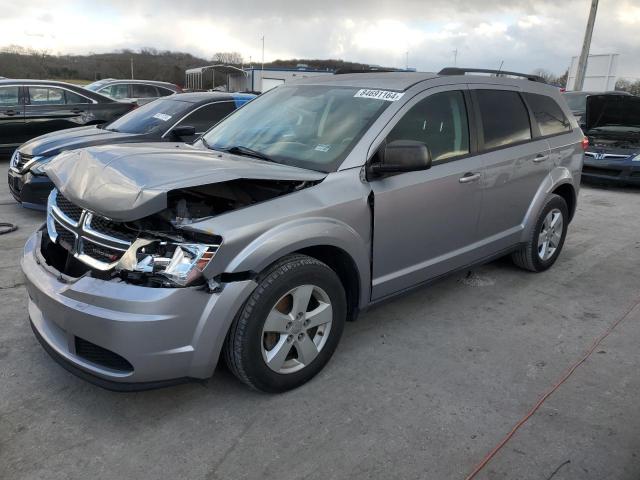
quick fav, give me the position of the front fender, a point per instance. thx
(295, 235)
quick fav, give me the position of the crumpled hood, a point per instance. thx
(612, 109)
(55, 142)
(128, 182)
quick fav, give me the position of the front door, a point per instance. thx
(425, 222)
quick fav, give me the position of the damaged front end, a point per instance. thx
(159, 250)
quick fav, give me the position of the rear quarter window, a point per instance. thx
(548, 114)
(505, 119)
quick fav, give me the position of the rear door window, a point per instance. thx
(74, 98)
(117, 92)
(548, 114)
(206, 117)
(9, 96)
(143, 91)
(505, 119)
(440, 122)
(46, 96)
(164, 92)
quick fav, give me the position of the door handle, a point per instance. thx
(469, 177)
(10, 113)
(540, 158)
(77, 110)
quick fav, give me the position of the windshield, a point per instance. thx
(153, 117)
(577, 101)
(306, 126)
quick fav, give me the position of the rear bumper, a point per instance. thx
(623, 172)
(163, 334)
(30, 190)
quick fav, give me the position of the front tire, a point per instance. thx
(547, 238)
(289, 327)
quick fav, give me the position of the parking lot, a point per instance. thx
(423, 386)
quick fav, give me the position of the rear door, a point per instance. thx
(12, 133)
(552, 124)
(425, 222)
(515, 163)
(47, 110)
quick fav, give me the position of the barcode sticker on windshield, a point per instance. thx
(387, 95)
(162, 116)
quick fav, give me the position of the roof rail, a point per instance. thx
(462, 71)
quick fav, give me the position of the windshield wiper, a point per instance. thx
(240, 150)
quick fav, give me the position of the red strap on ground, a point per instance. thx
(552, 389)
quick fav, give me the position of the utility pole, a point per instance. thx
(455, 57)
(263, 52)
(131, 68)
(407, 64)
(586, 45)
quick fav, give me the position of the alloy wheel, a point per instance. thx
(296, 329)
(550, 234)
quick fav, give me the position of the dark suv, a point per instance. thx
(30, 108)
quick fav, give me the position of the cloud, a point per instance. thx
(523, 34)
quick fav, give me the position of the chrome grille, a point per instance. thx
(97, 241)
(69, 209)
(105, 226)
(604, 156)
(19, 161)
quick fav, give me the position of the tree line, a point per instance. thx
(147, 64)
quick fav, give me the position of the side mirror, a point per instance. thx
(183, 131)
(403, 156)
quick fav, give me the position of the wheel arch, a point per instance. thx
(568, 193)
(330, 241)
(345, 267)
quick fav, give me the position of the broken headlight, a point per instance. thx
(179, 263)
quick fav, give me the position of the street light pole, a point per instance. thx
(586, 45)
(263, 52)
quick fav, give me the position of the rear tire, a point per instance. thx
(287, 330)
(547, 237)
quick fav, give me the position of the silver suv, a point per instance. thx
(309, 204)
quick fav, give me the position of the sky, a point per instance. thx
(525, 35)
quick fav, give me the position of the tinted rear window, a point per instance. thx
(505, 119)
(548, 114)
(143, 91)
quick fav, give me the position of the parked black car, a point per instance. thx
(30, 108)
(182, 118)
(613, 128)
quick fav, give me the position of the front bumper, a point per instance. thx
(618, 171)
(30, 190)
(163, 334)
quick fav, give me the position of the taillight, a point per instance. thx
(585, 143)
